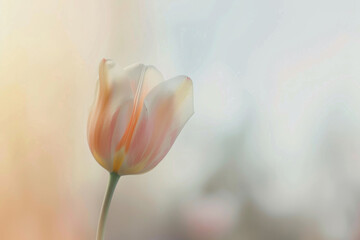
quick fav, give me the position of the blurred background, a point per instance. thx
(271, 153)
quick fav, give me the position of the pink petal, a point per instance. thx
(143, 79)
(169, 106)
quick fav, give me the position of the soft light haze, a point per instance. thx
(272, 151)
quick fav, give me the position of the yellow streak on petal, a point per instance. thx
(118, 159)
(137, 169)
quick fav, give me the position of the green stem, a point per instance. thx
(114, 178)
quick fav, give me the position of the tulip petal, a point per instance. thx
(134, 81)
(140, 75)
(122, 119)
(139, 143)
(112, 130)
(112, 100)
(143, 80)
(169, 106)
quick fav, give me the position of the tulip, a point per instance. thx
(135, 120)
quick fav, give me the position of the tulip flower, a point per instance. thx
(135, 120)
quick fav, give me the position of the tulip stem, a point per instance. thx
(114, 178)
